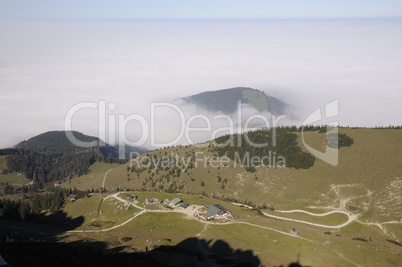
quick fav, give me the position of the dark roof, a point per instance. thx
(184, 205)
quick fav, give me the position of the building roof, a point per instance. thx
(175, 201)
(150, 200)
(184, 205)
(72, 196)
(214, 210)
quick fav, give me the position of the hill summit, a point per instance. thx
(56, 142)
(226, 100)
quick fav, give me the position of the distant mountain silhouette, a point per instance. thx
(226, 100)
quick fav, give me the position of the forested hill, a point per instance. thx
(51, 157)
(56, 142)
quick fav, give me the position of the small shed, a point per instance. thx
(72, 197)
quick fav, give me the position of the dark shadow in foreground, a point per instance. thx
(190, 252)
(22, 247)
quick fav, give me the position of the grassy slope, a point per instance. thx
(13, 178)
(95, 178)
(367, 177)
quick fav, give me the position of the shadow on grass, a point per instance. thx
(59, 220)
(22, 245)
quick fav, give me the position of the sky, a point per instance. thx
(205, 9)
(56, 54)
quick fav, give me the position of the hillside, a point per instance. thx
(366, 181)
(226, 100)
(349, 214)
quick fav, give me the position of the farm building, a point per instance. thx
(174, 202)
(215, 211)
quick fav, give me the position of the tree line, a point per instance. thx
(43, 168)
(23, 210)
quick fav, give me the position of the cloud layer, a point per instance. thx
(46, 67)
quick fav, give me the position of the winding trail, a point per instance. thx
(313, 214)
(351, 217)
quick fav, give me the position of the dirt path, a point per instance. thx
(108, 229)
(104, 178)
(351, 217)
(203, 230)
(354, 263)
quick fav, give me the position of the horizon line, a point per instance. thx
(205, 19)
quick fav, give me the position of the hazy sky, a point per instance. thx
(159, 9)
(55, 54)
